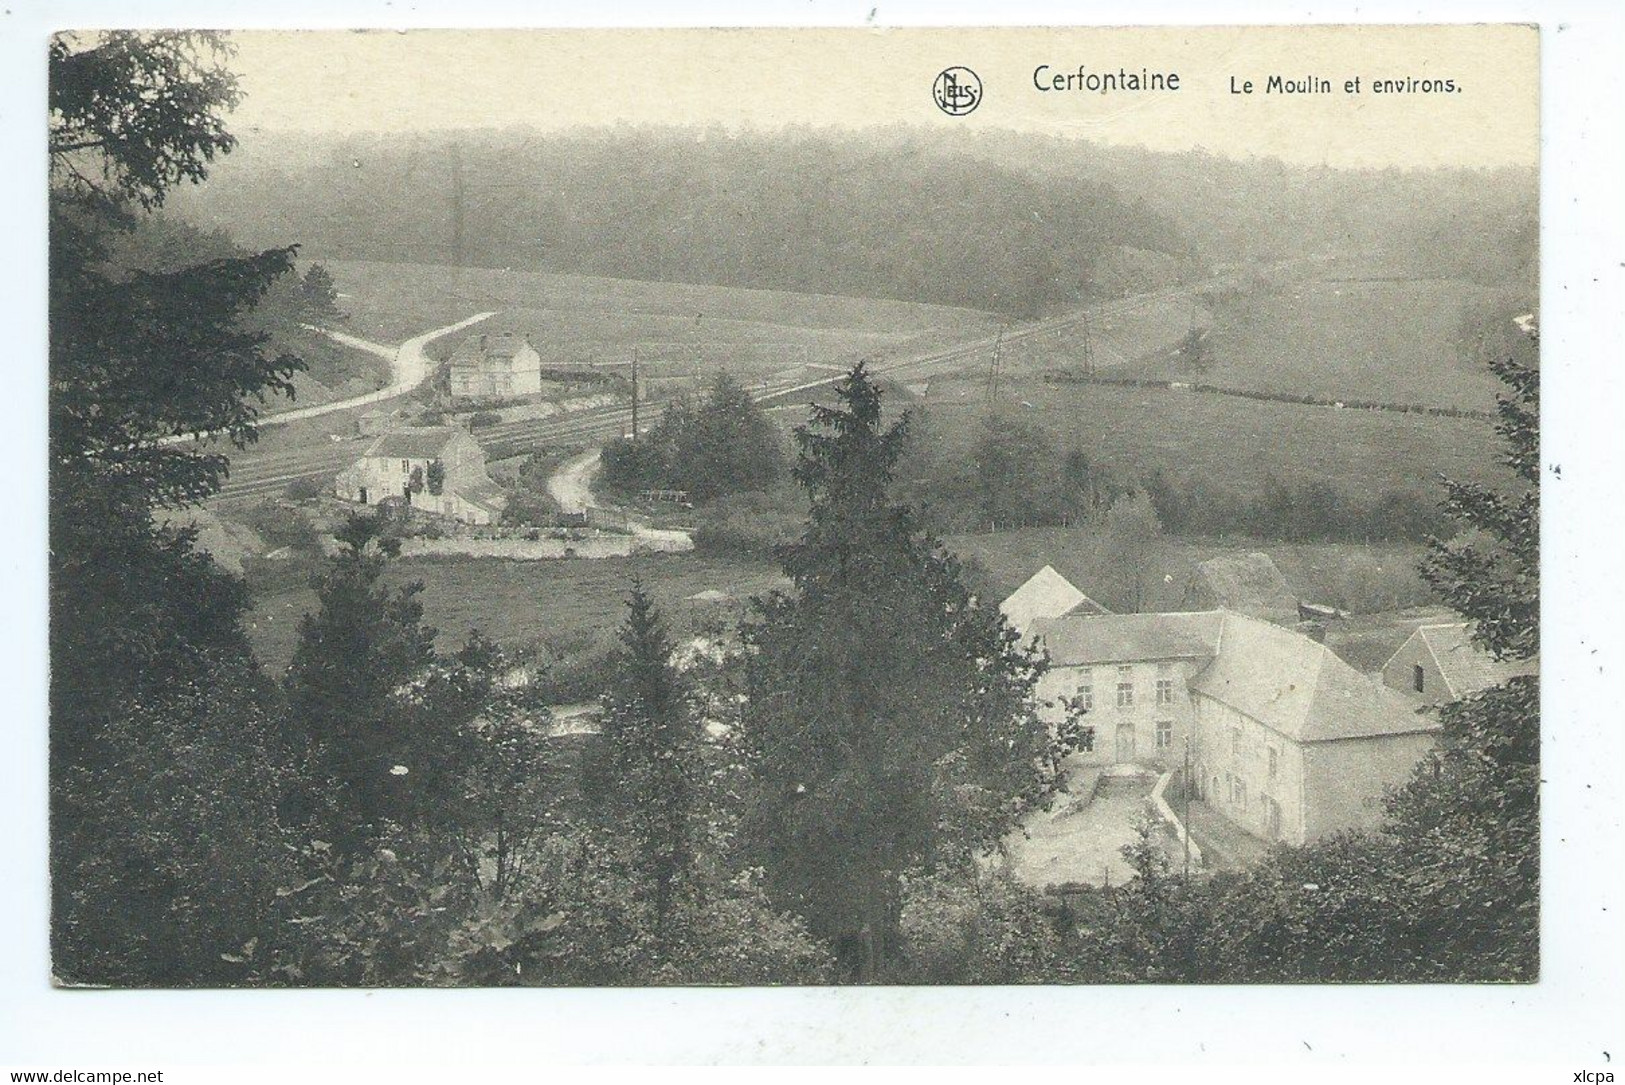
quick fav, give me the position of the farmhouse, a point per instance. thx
(439, 470)
(1284, 739)
(1440, 664)
(494, 365)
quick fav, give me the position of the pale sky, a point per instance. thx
(391, 80)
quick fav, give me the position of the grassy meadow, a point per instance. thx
(574, 606)
(578, 320)
(1234, 443)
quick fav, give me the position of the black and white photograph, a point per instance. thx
(826, 507)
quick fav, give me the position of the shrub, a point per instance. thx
(305, 489)
(481, 419)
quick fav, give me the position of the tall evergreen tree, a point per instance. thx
(349, 685)
(890, 723)
(645, 772)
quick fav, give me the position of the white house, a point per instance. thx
(502, 364)
(439, 470)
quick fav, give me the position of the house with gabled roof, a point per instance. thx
(1439, 663)
(1046, 594)
(439, 470)
(499, 364)
(1282, 737)
(1245, 583)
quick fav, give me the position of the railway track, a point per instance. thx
(258, 477)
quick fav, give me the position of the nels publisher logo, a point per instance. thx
(957, 91)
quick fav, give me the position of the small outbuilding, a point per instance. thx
(1046, 594)
(1440, 663)
(1248, 584)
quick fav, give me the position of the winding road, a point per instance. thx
(409, 367)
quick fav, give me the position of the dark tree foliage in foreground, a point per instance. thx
(350, 684)
(1491, 572)
(890, 723)
(169, 763)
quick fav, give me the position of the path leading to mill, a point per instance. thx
(571, 487)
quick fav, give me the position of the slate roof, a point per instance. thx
(1300, 687)
(482, 346)
(1277, 676)
(1466, 667)
(413, 444)
(1046, 594)
(1248, 583)
(1083, 639)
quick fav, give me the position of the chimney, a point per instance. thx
(1315, 631)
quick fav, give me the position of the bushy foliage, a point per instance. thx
(965, 926)
(721, 445)
(168, 761)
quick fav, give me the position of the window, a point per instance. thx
(1125, 687)
(1235, 742)
(1418, 678)
(1165, 734)
(1238, 792)
(1086, 690)
(406, 467)
(1165, 691)
(1086, 740)
(1275, 761)
(1272, 817)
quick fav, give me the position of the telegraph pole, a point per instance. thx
(634, 393)
(1088, 348)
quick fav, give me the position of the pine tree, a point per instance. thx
(889, 722)
(351, 670)
(318, 295)
(645, 772)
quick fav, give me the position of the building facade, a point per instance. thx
(1283, 738)
(486, 366)
(439, 470)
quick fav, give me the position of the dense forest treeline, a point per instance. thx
(1000, 221)
(813, 214)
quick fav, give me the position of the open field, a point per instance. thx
(519, 602)
(1391, 341)
(575, 320)
(1234, 443)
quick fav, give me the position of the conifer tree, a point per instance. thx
(354, 662)
(645, 771)
(890, 724)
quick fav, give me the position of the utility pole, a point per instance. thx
(1088, 349)
(459, 239)
(993, 369)
(634, 393)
